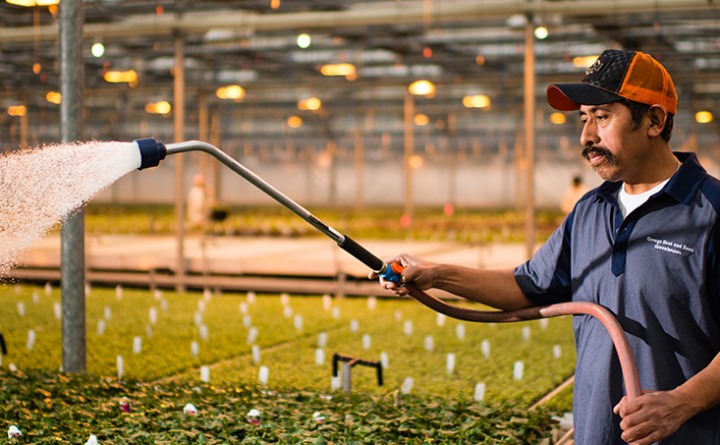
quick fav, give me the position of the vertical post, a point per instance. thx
(452, 159)
(214, 180)
(72, 246)
(359, 167)
(346, 379)
(529, 95)
(409, 148)
(24, 130)
(331, 150)
(179, 124)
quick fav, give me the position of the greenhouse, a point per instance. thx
(372, 221)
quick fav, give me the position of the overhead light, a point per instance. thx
(310, 104)
(32, 3)
(294, 122)
(541, 32)
(97, 50)
(304, 40)
(421, 119)
(129, 76)
(235, 92)
(422, 88)
(703, 117)
(53, 97)
(476, 101)
(584, 61)
(17, 110)
(558, 118)
(338, 69)
(162, 107)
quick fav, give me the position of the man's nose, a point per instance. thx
(589, 136)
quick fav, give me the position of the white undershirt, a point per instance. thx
(629, 202)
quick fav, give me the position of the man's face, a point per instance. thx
(614, 149)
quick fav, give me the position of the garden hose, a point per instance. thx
(152, 152)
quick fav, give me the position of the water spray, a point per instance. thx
(152, 152)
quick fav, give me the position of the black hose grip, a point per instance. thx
(151, 152)
(362, 254)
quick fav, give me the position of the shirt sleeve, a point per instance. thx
(545, 278)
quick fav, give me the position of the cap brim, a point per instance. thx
(569, 96)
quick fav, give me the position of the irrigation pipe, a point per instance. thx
(152, 152)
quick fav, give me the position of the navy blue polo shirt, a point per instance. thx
(658, 272)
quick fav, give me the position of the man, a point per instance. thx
(645, 244)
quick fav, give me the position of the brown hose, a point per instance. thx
(620, 341)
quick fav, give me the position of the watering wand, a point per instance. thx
(152, 152)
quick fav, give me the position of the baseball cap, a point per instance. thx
(617, 75)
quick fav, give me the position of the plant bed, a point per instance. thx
(67, 409)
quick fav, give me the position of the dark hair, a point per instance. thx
(639, 110)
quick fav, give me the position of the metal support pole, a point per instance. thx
(72, 249)
(346, 378)
(179, 122)
(529, 137)
(409, 148)
(359, 166)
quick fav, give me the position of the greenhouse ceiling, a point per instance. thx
(355, 57)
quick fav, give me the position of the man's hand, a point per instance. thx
(421, 273)
(653, 416)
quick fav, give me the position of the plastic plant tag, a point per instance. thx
(429, 343)
(319, 357)
(526, 333)
(485, 348)
(205, 374)
(120, 366)
(557, 351)
(318, 417)
(479, 392)
(384, 360)
(518, 369)
(263, 375)
(137, 345)
(366, 341)
(194, 348)
(92, 440)
(327, 302)
(460, 331)
(407, 385)
(322, 339)
(256, 354)
(450, 363)
(408, 327)
(190, 410)
(440, 319)
(372, 303)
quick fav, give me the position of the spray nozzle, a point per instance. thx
(151, 152)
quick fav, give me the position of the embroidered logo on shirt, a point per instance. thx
(671, 246)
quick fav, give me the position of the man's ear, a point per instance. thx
(658, 117)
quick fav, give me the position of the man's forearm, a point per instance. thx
(702, 391)
(496, 288)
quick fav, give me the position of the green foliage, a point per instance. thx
(66, 409)
(440, 408)
(465, 225)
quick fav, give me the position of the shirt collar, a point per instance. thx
(682, 185)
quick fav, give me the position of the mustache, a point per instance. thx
(597, 150)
